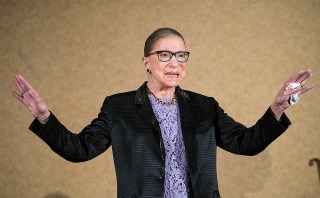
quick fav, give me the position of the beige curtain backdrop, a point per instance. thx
(75, 53)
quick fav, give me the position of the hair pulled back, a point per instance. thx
(156, 35)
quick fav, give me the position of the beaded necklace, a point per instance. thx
(159, 101)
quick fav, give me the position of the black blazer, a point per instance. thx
(127, 122)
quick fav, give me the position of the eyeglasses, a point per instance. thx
(165, 56)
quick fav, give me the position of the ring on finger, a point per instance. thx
(21, 95)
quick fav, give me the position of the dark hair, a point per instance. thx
(156, 35)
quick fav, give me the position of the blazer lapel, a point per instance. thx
(144, 109)
(184, 108)
(189, 138)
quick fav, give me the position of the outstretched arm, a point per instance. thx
(281, 101)
(89, 143)
(237, 138)
(31, 99)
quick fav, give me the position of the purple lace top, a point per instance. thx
(176, 182)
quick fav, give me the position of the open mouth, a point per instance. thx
(172, 74)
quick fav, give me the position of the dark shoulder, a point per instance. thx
(123, 95)
(200, 102)
(197, 97)
(123, 98)
(201, 105)
(119, 99)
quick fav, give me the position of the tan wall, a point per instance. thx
(77, 52)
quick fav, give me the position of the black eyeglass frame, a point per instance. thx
(171, 55)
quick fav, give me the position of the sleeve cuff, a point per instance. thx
(284, 121)
(36, 126)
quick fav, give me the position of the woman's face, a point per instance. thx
(166, 74)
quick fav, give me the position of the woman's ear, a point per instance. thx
(145, 61)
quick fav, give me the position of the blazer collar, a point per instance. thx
(141, 94)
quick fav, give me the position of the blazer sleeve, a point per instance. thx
(93, 140)
(239, 139)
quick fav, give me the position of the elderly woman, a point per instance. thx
(163, 138)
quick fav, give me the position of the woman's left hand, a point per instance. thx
(281, 101)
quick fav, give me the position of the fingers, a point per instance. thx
(292, 91)
(294, 77)
(282, 100)
(303, 78)
(35, 96)
(305, 89)
(25, 89)
(17, 84)
(22, 84)
(300, 89)
(24, 97)
(18, 96)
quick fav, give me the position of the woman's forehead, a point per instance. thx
(171, 42)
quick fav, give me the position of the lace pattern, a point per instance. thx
(176, 172)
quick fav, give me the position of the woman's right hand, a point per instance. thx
(31, 99)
